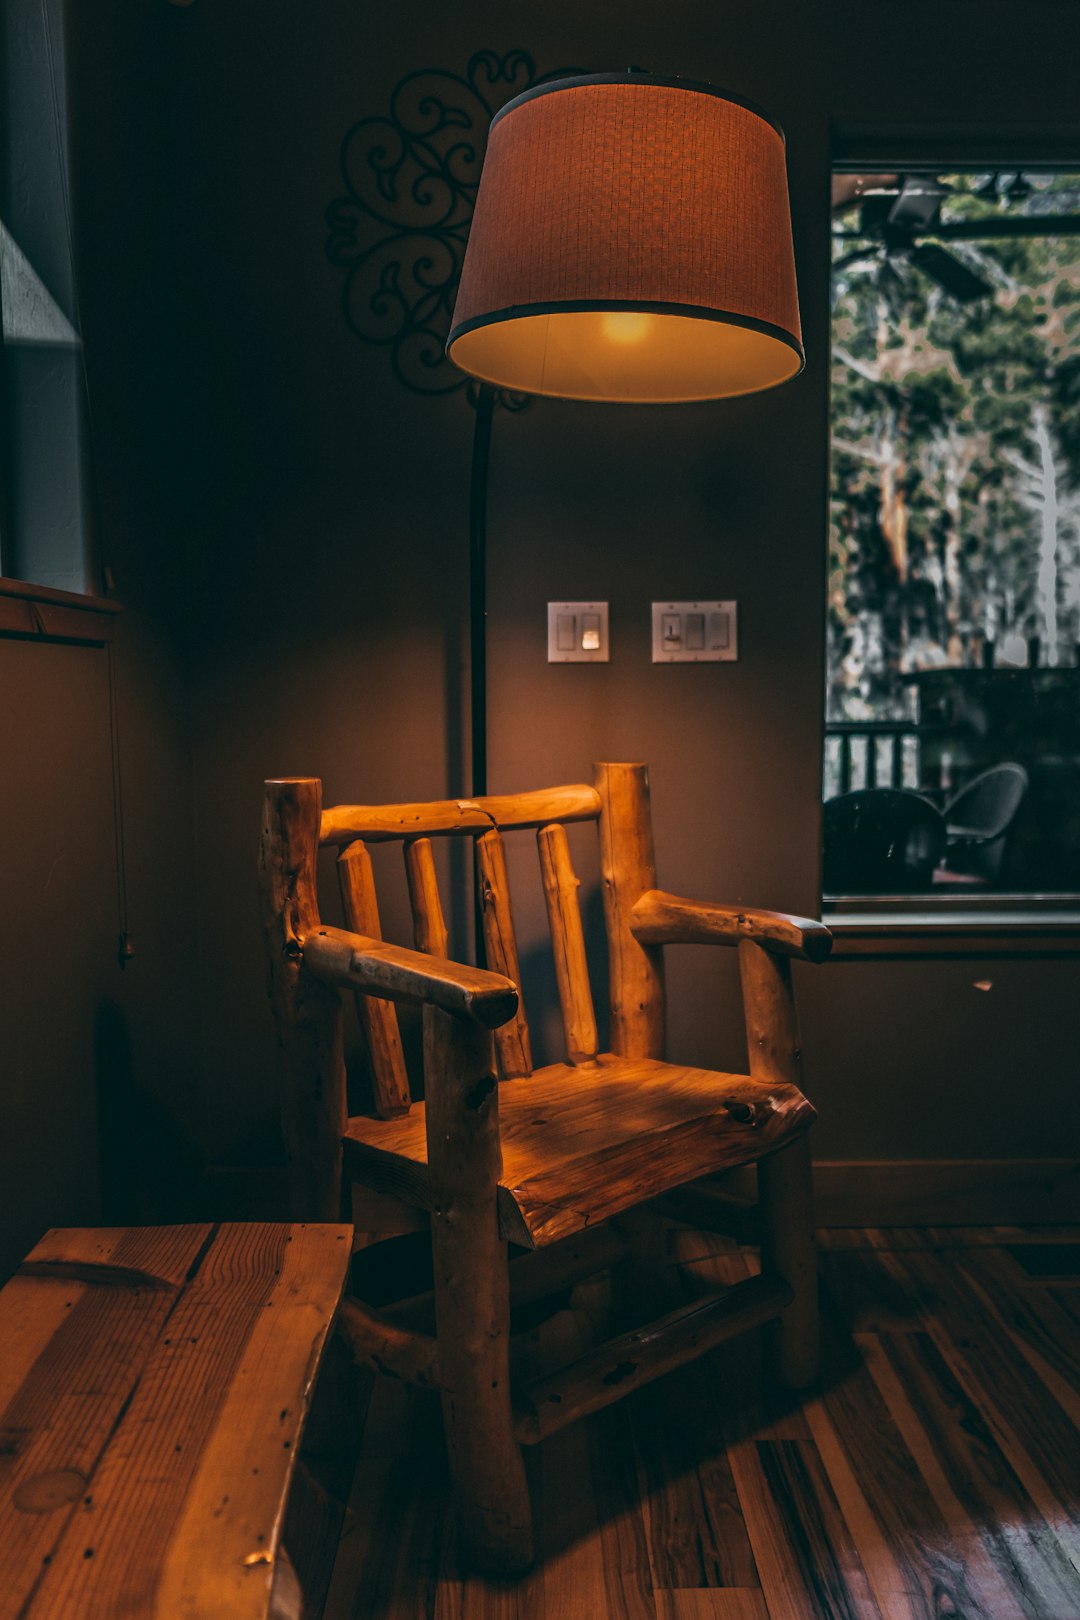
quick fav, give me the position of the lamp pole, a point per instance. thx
(478, 497)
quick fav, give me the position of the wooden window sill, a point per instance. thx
(40, 613)
(912, 933)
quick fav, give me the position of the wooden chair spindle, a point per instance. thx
(512, 1046)
(429, 925)
(378, 1019)
(568, 943)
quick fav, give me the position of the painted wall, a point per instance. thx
(100, 1098)
(292, 522)
(329, 636)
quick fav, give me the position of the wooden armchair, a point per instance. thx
(541, 1160)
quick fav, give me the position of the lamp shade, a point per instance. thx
(631, 241)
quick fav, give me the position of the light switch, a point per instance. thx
(693, 633)
(719, 630)
(577, 633)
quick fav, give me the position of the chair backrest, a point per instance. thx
(987, 805)
(618, 803)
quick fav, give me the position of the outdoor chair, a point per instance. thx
(538, 1164)
(978, 820)
(881, 841)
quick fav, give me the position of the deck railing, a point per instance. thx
(871, 754)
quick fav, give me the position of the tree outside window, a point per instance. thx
(953, 689)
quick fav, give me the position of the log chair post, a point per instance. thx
(378, 1019)
(785, 1183)
(628, 870)
(472, 1295)
(308, 1014)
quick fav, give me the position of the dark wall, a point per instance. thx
(289, 525)
(101, 1096)
(330, 636)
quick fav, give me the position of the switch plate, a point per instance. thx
(577, 633)
(694, 633)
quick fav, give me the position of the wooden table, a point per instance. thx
(154, 1384)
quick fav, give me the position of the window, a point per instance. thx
(44, 508)
(952, 751)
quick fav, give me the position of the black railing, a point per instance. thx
(873, 732)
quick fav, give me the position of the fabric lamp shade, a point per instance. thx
(631, 241)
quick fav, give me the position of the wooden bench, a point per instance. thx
(154, 1384)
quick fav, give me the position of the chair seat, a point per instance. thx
(581, 1144)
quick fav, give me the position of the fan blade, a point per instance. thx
(949, 273)
(919, 202)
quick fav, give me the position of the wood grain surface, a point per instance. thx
(380, 821)
(582, 1144)
(149, 1439)
(933, 1474)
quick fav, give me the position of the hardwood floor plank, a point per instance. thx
(718, 1603)
(867, 1296)
(1035, 1318)
(1067, 1301)
(592, 1555)
(624, 1548)
(1028, 1425)
(805, 1555)
(396, 1541)
(912, 1561)
(936, 1474)
(1017, 1568)
(693, 1519)
(883, 1571)
(568, 1549)
(751, 1404)
(899, 1238)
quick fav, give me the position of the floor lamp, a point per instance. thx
(631, 242)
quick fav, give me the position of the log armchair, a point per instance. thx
(501, 1156)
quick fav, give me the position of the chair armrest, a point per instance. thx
(354, 962)
(666, 919)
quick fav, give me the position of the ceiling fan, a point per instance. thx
(900, 223)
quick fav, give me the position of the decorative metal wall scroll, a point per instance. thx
(400, 230)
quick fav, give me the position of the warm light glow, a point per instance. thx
(626, 325)
(631, 241)
(673, 357)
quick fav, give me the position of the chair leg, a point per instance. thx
(472, 1310)
(786, 1194)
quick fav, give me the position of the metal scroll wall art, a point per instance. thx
(400, 229)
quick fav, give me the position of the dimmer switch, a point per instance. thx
(693, 633)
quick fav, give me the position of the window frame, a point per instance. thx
(83, 564)
(879, 927)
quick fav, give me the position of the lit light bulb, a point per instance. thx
(626, 325)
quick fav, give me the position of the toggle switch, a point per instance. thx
(693, 632)
(577, 633)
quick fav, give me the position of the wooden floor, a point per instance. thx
(935, 1473)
